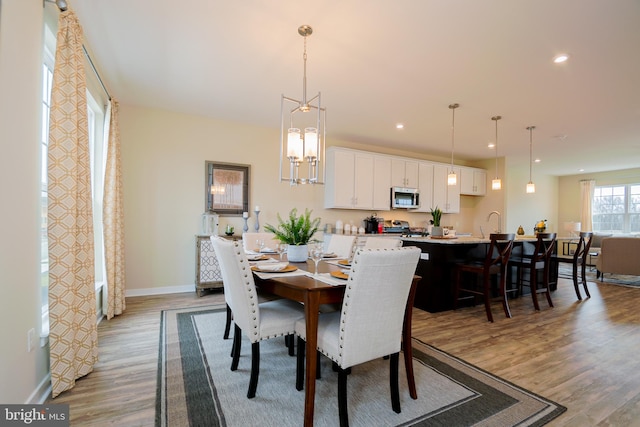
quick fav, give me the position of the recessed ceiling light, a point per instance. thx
(537, 160)
(580, 170)
(399, 126)
(491, 145)
(558, 59)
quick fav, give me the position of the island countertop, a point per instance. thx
(462, 240)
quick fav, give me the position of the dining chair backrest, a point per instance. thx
(250, 241)
(382, 243)
(238, 284)
(582, 250)
(500, 247)
(374, 303)
(341, 245)
(544, 248)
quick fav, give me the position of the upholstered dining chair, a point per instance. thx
(494, 264)
(341, 245)
(369, 324)
(539, 259)
(258, 321)
(579, 262)
(382, 243)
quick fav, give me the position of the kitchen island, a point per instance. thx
(437, 266)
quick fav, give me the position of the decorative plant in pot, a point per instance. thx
(436, 230)
(296, 232)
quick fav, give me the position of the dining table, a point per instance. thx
(314, 290)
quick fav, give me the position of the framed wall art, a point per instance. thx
(226, 188)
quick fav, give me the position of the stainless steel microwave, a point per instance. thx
(405, 198)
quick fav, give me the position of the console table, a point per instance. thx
(208, 275)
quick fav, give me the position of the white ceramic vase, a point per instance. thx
(297, 253)
(436, 231)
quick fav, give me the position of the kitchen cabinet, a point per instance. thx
(446, 197)
(425, 186)
(473, 181)
(357, 180)
(404, 173)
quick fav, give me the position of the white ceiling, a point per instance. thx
(379, 62)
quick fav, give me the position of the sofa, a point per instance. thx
(619, 255)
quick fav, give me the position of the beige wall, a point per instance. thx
(569, 190)
(21, 372)
(163, 167)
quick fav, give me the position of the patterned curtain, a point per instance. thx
(587, 188)
(113, 217)
(73, 334)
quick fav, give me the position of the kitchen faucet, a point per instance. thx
(499, 230)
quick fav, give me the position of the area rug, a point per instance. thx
(197, 388)
(565, 270)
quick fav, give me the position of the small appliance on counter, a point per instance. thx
(395, 226)
(402, 227)
(373, 224)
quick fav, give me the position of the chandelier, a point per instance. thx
(302, 135)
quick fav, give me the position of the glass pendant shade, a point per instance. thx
(294, 144)
(531, 188)
(311, 142)
(452, 179)
(496, 183)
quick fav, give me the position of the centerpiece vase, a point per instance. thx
(297, 253)
(437, 231)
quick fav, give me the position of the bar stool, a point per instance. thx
(494, 264)
(540, 259)
(580, 261)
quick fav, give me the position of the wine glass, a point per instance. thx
(316, 255)
(260, 244)
(281, 248)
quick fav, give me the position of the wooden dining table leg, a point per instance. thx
(311, 309)
(406, 340)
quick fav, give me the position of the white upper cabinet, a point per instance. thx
(357, 180)
(381, 183)
(363, 180)
(473, 181)
(425, 185)
(404, 173)
(446, 197)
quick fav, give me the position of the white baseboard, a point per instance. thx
(160, 291)
(41, 393)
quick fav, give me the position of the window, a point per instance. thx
(47, 81)
(616, 209)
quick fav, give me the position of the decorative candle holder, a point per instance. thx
(246, 227)
(257, 226)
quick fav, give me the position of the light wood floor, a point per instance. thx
(583, 355)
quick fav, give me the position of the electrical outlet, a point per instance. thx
(31, 339)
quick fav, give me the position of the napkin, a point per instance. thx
(274, 266)
(267, 250)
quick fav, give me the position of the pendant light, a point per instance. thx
(531, 187)
(496, 183)
(452, 179)
(304, 142)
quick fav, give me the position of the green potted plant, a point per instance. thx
(436, 213)
(296, 232)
